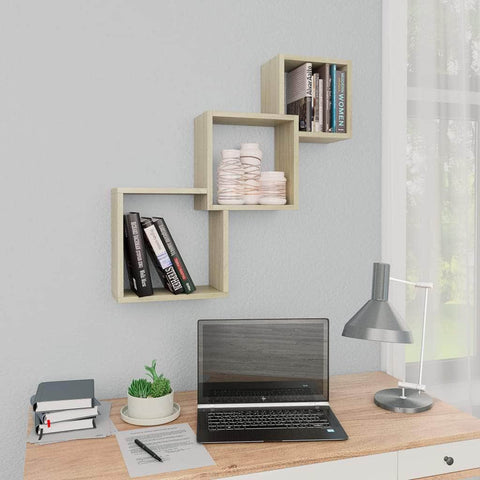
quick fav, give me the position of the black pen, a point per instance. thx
(144, 447)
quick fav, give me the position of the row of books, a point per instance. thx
(145, 234)
(64, 406)
(318, 97)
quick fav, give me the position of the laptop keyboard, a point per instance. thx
(266, 419)
(246, 396)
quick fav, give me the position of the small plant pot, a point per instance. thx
(150, 407)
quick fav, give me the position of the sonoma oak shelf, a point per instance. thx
(286, 154)
(218, 250)
(273, 91)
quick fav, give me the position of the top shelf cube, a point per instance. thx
(273, 91)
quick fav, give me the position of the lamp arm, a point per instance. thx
(426, 286)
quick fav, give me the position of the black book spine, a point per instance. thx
(174, 254)
(160, 259)
(136, 256)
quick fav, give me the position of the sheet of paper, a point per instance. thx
(176, 445)
(105, 428)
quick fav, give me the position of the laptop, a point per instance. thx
(264, 381)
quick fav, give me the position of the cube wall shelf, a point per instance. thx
(273, 91)
(218, 250)
(286, 154)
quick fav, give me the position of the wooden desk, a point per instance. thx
(387, 445)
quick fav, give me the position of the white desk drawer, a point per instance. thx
(427, 461)
(372, 467)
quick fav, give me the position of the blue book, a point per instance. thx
(333, 79)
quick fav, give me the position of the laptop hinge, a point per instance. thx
(265, 404)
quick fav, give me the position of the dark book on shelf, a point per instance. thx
(333, 81)
(299, 95)
(159, 256)
(136, 256)
(174, 254)
(324, 74)
(341, 102)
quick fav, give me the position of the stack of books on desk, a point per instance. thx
(64, 406)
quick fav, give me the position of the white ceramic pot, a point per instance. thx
(150, 407)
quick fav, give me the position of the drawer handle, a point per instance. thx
(448, 460)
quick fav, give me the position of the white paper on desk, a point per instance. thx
(175, 445)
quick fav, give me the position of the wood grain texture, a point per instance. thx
(203, 134)
(218, 250)
(117, 243)
(272, 86)
(286, 158)
(371, 430)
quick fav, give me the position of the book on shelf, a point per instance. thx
(324, 76)
(136, 256)
(64, 395)
(317, 102)
(299, 95)
(159, 256)
(341, 101)
(174, 254)
(333, 82)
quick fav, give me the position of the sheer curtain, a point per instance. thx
(442, 200)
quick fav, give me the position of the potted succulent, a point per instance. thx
(150, 399)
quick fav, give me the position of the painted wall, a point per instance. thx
(97, 94)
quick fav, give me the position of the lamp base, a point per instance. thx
(413, 401)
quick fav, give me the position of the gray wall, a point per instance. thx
(97, 94)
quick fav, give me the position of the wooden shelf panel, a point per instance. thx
(159, 191)
(286, 154)
(322, 137)
(217, 250)
(253, 207)
(273, 91)
(250, 119)
(203, 292)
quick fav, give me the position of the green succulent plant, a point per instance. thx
(158, 387)
(140, 388)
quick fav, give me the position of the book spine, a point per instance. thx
(333, 76)
(308, 111)
(160, 258)
(325, 76)
(341, 102)
(174, 254)
(320, 105)
(299, 107)
(135, 256)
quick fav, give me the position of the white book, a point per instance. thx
(299, 83)
(65, 415)
(66, 426)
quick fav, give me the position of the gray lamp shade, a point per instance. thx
(377, 320)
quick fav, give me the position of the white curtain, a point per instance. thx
(442, 195)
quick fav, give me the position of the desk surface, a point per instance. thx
(371, 430)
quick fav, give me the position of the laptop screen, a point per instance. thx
(262, 361)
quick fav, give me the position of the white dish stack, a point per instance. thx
(251, 158)
(230, 179)
(273, 189)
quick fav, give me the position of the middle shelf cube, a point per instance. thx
(285, 152)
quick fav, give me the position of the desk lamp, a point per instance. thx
(378, 321)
